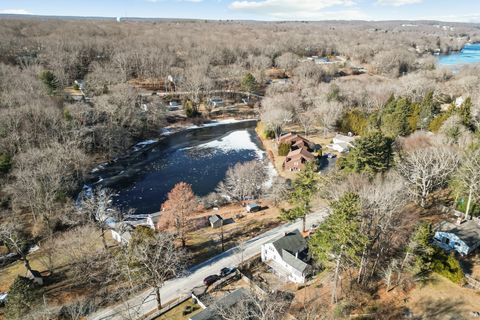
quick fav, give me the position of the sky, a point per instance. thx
(445, 10)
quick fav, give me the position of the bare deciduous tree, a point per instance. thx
(427, 169)
(15, 240)
(244, 181)
(253, 306)
(467, 178)
(277, 111)
(157, 259)
(42, 176)
(329, 112)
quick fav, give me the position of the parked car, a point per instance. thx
(216, 102)
(253, 207)
(208, 281)
(226, 271)
(3, 298)
(174, 105)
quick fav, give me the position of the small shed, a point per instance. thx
(253, 207)
(463, 237)
(216, 221)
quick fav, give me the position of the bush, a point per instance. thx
(283, 149)
(448, 266)
(50, 81)
(190, 111)
(5, 163)
(438, 121)
(22, 296)
(355, 121)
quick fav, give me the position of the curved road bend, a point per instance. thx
(173, 289)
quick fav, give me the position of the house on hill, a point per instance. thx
(288, 257)
(297, 159)
(462, 237)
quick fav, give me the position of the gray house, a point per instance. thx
(215, 221)
(288, 257)
(462, 237)
(226, 302)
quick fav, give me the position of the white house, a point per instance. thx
(288, 257)
(342, 143)
(462, 237)
(122, 231)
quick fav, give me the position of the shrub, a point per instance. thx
(5, 163)
(448, 266)
(190, 111)
(50, 81)
(354, 121)
(438, 121)
(283, 149)
(22, 296)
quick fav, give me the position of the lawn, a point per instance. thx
(177, 312)
(443, 299)
(206, 242)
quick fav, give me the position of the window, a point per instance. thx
(447, 241)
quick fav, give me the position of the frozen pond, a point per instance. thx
(200, 157)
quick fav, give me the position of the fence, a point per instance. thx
(473, 282)
(167, 308)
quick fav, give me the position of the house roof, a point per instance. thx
(300, 153)
(294, 262)
(468, 231)
(346, 139)
(294, 139)
(292, 242)
(291, 245)
(225, 302)
(214, 218)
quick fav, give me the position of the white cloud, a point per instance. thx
(299, 9)
(14, 11)
(397, 3)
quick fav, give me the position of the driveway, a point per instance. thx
(145, 302)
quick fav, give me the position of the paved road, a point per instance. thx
(173, 289)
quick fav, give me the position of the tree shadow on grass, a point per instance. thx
(449, 308)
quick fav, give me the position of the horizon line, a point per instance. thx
(66, 17)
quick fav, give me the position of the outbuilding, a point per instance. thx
(215, 221)
(252, 207)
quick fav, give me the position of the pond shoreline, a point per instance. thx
(199, 155)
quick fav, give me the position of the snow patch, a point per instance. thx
(143, 144)
(234, 141)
